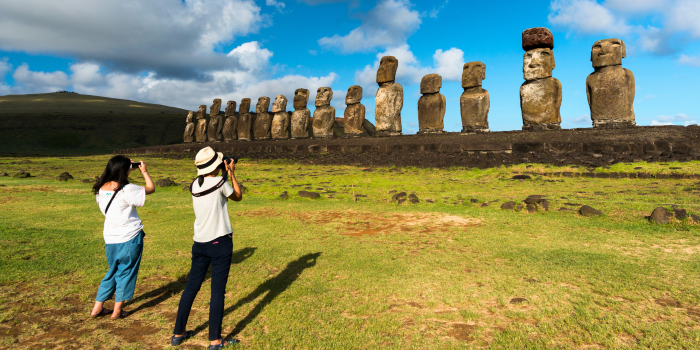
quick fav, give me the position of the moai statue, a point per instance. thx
(431, 106)
(189, 128)
(540, 95)
(201, 131)
(354, 117)
(389, 98)
(299, 124)
(231, 123)
(610, 88)
(324, 115)
(245, 120)
(215, 122)
(474, 103)
(280, 119)
(263, 121)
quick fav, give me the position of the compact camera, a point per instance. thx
(135, 165)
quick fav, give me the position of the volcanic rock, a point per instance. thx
(589, 211)
(660, 215)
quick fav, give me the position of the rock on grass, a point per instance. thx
(508, 205)
(521, 177)
(398, 196)
(589, 211)
(660, 215)
(680, 214)
(65, 176)
(306, 194)
(165, 183)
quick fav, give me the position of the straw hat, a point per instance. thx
(207, 160)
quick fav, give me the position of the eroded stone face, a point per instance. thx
(301, 98)
(230, 109)
(536, 38)
(189, 128)
(263, 105)
(215, 128)
(540, 101)
(430, 84)
(354, 119)
(230, 131)
(280, 104)
(201, 130)
(473, 73)
(245, 106)
(245, 121)
(215, 107)
(190, 117)
(387, 69)
(280, 125)
(431, 112)
(610, 91)
(354, 95)
(324, 119)
(387, 111)
(474, 108)
(263, 120)
(608, 52)
(202, 112)
(299, 123)
(538, 64)
(323, 96)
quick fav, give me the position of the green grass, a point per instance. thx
(303, 279)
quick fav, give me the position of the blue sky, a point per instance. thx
(185, 53)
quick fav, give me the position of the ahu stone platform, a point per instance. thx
(585, 147)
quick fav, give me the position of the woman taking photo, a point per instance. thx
(123, 232)
(212, 243)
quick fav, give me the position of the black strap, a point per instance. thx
(206, 192)
(210, 162)
(110, 201)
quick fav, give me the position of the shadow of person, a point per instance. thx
(272, 287)
(171, 289)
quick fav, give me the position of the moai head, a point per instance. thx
(215, 107)
(538, 64)
(202, 111)
(280, 104)
(473, 73)
(263, 105)
(387, 69)
(301, 97)
(245, 106)
(323, 96)
(230, 108)
(190, 117)
(430, 84)
(354, 95)
(537, 38)
(608, 52)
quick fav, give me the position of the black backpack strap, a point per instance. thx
(206, 192)
(110, 201)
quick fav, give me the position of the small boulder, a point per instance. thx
(65, 176)
(535, 198)
(474, 200)
(402, 200)
(532, 208)
(544, 204)
(165, 183)
(413, 198)
(284, 195)
(429, 201)
(398, 196)
(485, 204)
(21, 175)
(508, 205)
(564, 209)
(589, 211)
(694, 218)
(517, 300)
(519, 207)
(306, 194)
(521, 177)
(660, 215)
(680, 214)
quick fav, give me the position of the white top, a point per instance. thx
(210, 211)
(122, 223)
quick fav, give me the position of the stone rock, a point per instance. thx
(610, 88)
(564, 209)
(521, 177)
(660, 215)
(540, 102)
(301, 98)
(165, 183)
(485, 204)
(531, 208)
(519, 207)
(324, 120)
(414, 200)
(230, 109)
(312, 195)
(300, 123)
(694, 218)
(263, 120)
(431, 113)
(401, 201)
(354, 95)
(412, 196)
(201, 130)
(280, 126)
(188, 136)
(508, 205)
(544, 204)
(387, 111)
(533, 199)
(65, 176)
(473, 200)
(398, 196)
(354, 119)
(518, 300)
(230, 131)
(387, 69)
(680, 214)
(431, 84)
(589, 211)
(535, 38)
(284, 195)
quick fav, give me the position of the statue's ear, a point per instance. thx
(483, 72)
(554, 65)
(624, 50)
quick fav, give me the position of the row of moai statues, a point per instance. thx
(610, 91)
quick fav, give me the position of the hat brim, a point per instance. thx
(211, 168)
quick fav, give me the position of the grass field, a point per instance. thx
(353, 270)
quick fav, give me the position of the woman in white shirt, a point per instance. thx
(123, 233)
(213, 244)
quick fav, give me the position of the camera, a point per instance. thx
(135, 165)
(228, 160)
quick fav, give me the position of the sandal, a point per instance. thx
(175, 341)
(101, 313)
(122, 314)
(224, 344)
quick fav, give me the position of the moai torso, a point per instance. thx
(389, 98)
(354, 116)
(324, 115)
(263, 121)
(215, 122)
(299, 123)
(540, 95)
(280, 120)
(474, 103)
(189, 128)
(610, 89)
(231, 124)
(431, 106)
(201, 130)
(245, 121)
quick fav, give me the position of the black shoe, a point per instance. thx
(228, 342)
(175, 341)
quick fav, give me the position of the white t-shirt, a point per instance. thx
(210, 211)
(122, 223)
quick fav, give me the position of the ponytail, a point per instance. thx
(200, 180)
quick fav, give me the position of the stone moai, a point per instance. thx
(610, 88)
(245, 120)
(201, 131)
(231, 123)
(280, 119)
(263, 121)
(299, 124)
(215, 122)
(431, 106)
(475, 102)
(324, 115)
(189, 128)
(354, 117)
(389, 98)
(540, 94)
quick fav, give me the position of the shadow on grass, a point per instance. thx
(167, 291)
(272, 287)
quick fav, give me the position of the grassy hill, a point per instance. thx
(74, 124)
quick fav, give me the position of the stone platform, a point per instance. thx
(586, 147)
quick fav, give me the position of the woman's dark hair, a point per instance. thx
(117, 170)
(200, 178)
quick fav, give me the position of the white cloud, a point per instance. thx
(689, 60)
(582, 120)
(5, 67)
(678, 119)
(685, 16)
(390, 23)
(586, 16)
(41, 81)
(436, 10)
(649, 97)
(636, 6)
(276, 4)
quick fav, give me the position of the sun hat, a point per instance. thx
(207, 160)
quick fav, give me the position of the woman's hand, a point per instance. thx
(142, 167)
(230, 167)
(150, 187)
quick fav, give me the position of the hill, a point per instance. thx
(73, 124)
